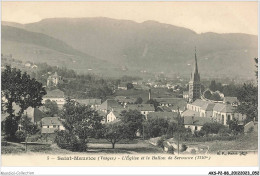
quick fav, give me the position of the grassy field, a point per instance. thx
(136, 146)
(244, 142)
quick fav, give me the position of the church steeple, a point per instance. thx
(194, 84)
(195, 75)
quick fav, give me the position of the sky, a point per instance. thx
(219, 17)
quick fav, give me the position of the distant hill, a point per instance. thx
(37, 47)
(152, 46)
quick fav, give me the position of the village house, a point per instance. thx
(164, 109)
(108, 105)
(195, 123)
(185, 95)
(231, 100)
(173, 103)
(54, 80)
(27, 64)
(51, 124)
(114, 114)
(145, 109)
(56, 96)
(93, 103)
(125, 100)
(35, 114)
(122, 86)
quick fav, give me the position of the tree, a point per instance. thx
(248, 98)
(212, 128)
(156, 127)
(28, 127)
(212, 86)
(207, 94)
(18, 88)
(51, 108)
(215, 96)
(231, 90)
(114, 132)
(139, 100)
(235, 127)
(256, 72)
(129, 86)
(154, 103)
(133, 121)
(80, 120)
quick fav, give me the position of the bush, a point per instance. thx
(4, 143)
(201, 133)
(224, 132)
(251, 130)
(68, 141)
(160, 142)
(183, 147)
(170, 150)
(212, 128)
(20, 136)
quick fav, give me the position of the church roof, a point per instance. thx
(208, 107)
(200, 103)
(220, 107)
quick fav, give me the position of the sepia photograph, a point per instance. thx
(168, 83)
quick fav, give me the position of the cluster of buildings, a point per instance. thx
(194, 111)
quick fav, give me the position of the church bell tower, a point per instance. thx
(194, 84)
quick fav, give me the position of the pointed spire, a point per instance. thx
(196, 64)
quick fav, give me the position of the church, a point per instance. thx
(200, 111)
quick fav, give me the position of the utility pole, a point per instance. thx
(143, 131)
(178, 139)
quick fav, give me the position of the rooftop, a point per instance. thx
(200, 102)
(109, 104)
(230, 100)
(89, 101)
(51, 121)
(125, 99)
(208, 107)
(54, 94)
(190, 113)
(141, 107)
(164, 115)
(219, 107)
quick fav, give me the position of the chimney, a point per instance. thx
(150, 94)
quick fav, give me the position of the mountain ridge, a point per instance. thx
(153, 46)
